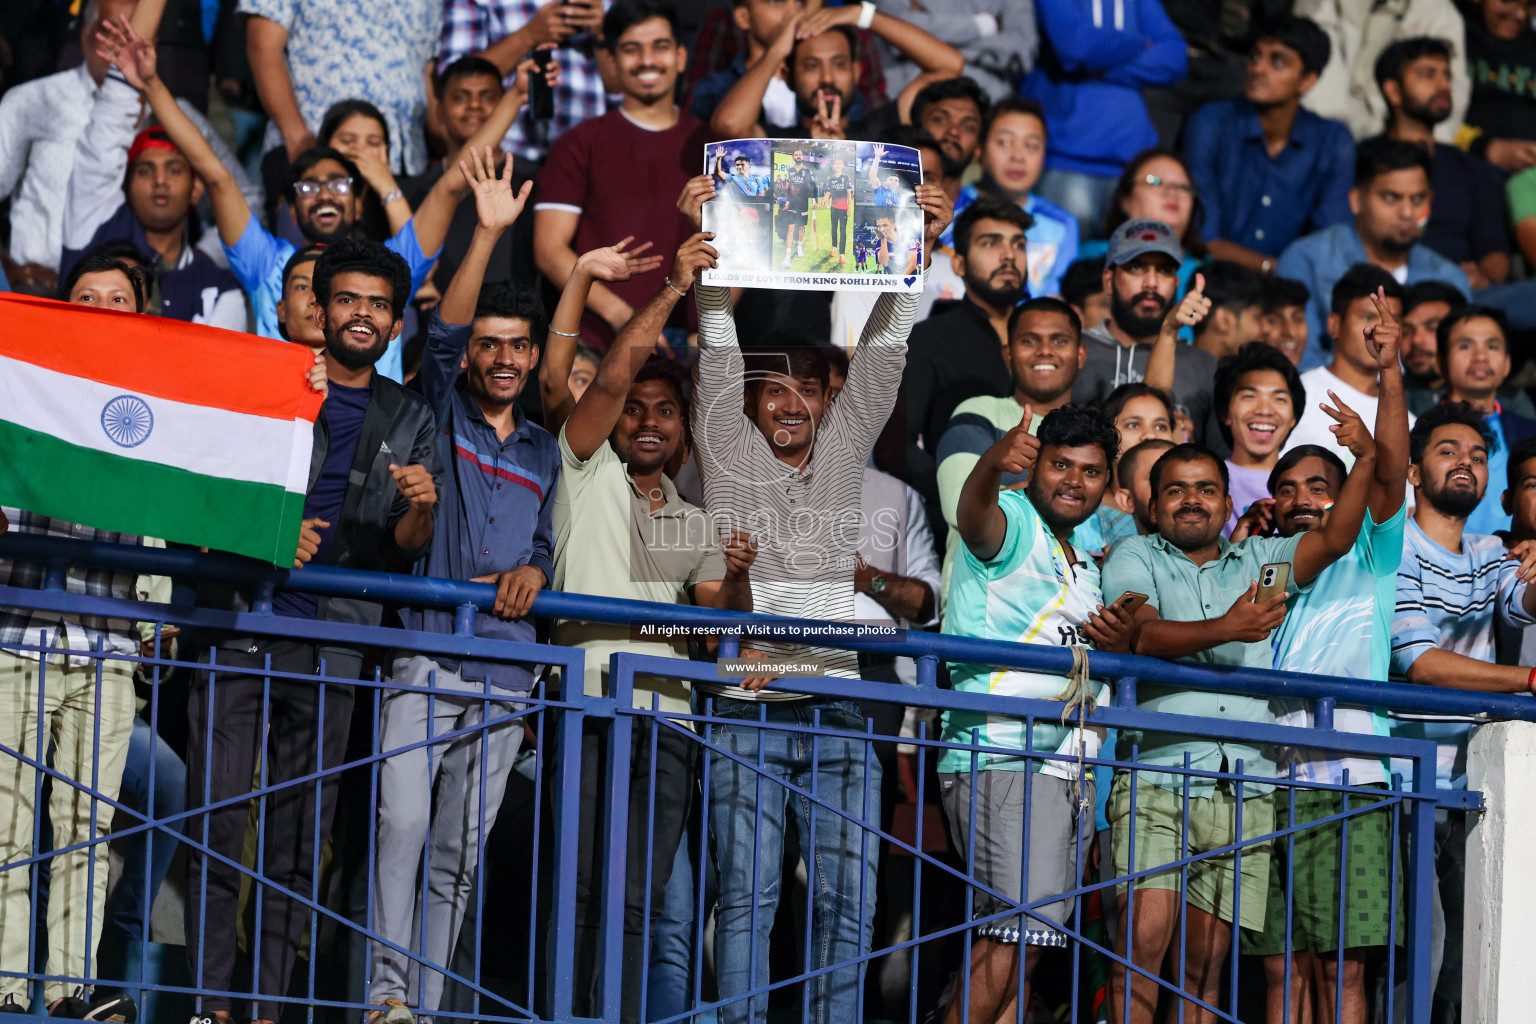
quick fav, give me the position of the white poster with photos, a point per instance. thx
(815, 215)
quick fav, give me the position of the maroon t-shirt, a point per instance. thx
(625, 179)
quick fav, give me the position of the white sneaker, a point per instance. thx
(799, 249)
(786, 260)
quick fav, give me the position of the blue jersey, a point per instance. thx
(1051, 241)
(749, 185)
(885, 197)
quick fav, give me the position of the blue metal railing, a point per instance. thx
(563, 717)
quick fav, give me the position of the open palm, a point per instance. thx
(617, 263)
(495, 203)
(118, 43)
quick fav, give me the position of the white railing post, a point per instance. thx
(1500, 889)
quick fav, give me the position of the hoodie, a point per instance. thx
(1109, 364)
(1095, 58)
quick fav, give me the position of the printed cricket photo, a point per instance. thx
(815, 214)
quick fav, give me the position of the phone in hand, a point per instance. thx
(1130, 601)
(1273, 579)
(543, 98)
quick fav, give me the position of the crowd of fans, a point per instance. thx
(1218, 359)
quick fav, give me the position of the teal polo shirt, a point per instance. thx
(1182, 591)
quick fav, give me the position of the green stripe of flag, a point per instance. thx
(42, 474)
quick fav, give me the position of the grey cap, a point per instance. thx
(1137, 237)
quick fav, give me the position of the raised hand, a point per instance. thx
(784, 40)
(1250, 621)
(374, 168)
(692, 258)
(522, 82)
(1350, 430)
(616, 263)
(698, 190)
(879, 152)
(1017, 451)
(118, 43)
(416, 484)
(551, 24)
(1194, 307)
(1382, 339)
(818, 21)
(498, 208)
(829, 118)
(938, 211)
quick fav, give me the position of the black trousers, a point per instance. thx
(839, 228)
(659, 808)
(225, 745)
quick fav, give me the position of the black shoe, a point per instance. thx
(71, 1007)
(118, 1007)
(11, 1006)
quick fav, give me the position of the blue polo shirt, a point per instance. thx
(1265, 202)
(749, 184)
(496, 509)
(258, 258)
(1321, 258)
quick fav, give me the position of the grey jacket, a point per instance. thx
(997, 62)
(1110, 364)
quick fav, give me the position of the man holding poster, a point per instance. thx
(772, 451)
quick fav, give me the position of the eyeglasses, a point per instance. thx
(1181, 187)
(335, 186)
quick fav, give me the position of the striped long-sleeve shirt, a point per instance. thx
(805, 520)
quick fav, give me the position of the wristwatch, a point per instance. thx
(879, 584)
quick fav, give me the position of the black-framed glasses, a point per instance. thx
(335, 186)
(1182, 187)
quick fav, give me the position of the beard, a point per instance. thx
(952, 167)
(1005, 297)
(1055, 521)
(1451, 502)
(314, 234)
(350, 357)
(1424, 114)
(1124, 314)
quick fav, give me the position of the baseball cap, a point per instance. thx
(150, 138)
(1138, 237)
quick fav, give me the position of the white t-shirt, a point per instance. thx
(1313, 428)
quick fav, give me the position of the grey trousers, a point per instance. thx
(426, 918)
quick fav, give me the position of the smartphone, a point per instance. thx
(543, 99)
(1273, 579)
(1130, 601)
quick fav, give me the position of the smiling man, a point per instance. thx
(1141, 275)
(1020, 578)
(375, 455)
(1341, 626)
(1044, 355)
(1259, 396)
(1201, 606)
(499, 478)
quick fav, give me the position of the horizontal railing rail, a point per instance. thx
(442, 593)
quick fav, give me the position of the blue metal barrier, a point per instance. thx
(572, 969)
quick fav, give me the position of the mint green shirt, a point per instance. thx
(1029, 592)
(1182, 591)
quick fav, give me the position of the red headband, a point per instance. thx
(150, 138)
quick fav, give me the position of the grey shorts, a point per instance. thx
(998, 849)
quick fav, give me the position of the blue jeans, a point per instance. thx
(748, 812)
(147, 855)
(673, 964)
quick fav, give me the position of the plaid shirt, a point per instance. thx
(470, 26)
(25, 626)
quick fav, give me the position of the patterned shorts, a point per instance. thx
(1315, 877)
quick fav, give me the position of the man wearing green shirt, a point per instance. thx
(1201, 607)
(1019, 577)
(1341, 626)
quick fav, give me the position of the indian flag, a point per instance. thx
(139, 424)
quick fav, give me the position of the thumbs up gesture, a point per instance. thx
(1017, 451)
(1194, 307)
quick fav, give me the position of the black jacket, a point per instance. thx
(399, 428)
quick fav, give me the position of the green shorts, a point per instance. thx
(1212, 824)
(1315, 877)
